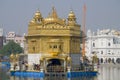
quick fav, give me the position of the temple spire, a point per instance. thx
(54, 13)
(71, 18)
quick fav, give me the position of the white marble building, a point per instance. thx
(16, 38)
(105, 44)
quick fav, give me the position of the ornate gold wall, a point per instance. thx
(53, 34)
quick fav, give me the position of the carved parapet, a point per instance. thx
(54, 53)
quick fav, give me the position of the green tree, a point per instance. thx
(11, 47)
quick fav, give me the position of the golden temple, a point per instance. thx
(52, 41)
(53, 34)
(56, 39)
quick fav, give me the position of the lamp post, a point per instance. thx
(41, 64)
(14, 62)
(95, 62)
(68, 63)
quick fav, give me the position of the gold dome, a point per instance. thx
(71, 14)
(53, 18)
(38, 14)
(116, 33)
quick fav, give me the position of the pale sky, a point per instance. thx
(101, 14)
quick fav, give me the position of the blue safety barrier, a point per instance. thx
(42, 74)
(78, 74)
(27, 74)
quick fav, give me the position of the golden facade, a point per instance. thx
(53, 35)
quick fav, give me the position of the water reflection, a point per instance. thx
(3, 74)
(24, 78)
(109, 72)
(52, 78)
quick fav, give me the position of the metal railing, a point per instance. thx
(56, 69)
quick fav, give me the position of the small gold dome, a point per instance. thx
(71, 14)
(68, 58)
(38, 14)
(12, 55)
(116, 33)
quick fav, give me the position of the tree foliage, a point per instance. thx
(11, 47)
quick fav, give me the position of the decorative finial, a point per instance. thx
(37, 14)
(54, 13)
(71, 14)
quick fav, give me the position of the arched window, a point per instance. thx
(101, 52)
(101, 60)
(93, 44)
(55, 46)
(118, 60)
(109, 44)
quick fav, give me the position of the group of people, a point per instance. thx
(36, 66)
(23, 65)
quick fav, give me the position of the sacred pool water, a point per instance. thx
(106, 72)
